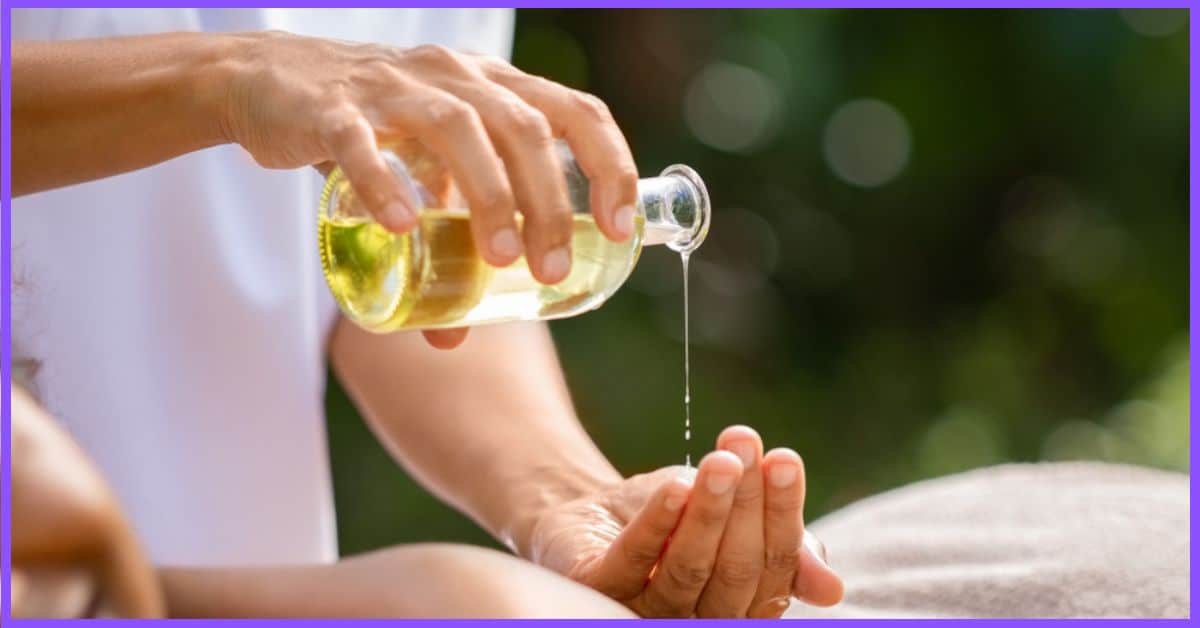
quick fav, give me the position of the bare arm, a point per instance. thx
(488, 427)
(409, 581)
(92, 108)
(88, 109)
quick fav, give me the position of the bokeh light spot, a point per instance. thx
(732, 107)
(1154, 22)
(867, 142)
(1082, 440)
(963, 438)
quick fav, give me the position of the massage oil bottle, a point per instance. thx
(433, 277)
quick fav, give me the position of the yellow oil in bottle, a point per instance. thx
(433, 277)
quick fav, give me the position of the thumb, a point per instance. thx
(623, 571)
(445, 338)
(816, 582)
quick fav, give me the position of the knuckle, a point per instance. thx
(447, 114)
(525, 121)
(636, 554)
(553, 226)
(711, 515)
(748, 496)
(661, 527)
(689, 574)
(379, 52)
(738, 572)
(494, 203)
(430, 51)
(493, 64)
(377, 64)
(590, 105)
(437, 55)
(627, 175)
(553, 212)
(341, 121)
(782, 559)
(780, 506)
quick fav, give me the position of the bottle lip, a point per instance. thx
(695, 236)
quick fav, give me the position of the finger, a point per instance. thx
(445, 338)
(325, 167)
(525, 141)
(350, 139)
(816, 582)
(783, 529)
(625, 568)
(740, 557)
(595, 139)
(688, 562)
(454, 131)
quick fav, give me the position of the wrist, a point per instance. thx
(544, 487)
(221, 67)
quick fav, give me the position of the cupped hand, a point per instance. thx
(294, 101)
(725, 540)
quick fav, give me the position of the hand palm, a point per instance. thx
(678, 542)
(575, 536)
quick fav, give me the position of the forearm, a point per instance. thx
(427, 580)
(91, 108)
(488, 427)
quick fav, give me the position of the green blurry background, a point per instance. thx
(941, 239)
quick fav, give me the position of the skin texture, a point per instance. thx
(511, 453)
(74, 554)
(426, 580)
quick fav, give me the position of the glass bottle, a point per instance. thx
(433, 277)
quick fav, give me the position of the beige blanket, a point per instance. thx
(1030, 540)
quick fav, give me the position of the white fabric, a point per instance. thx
(180, 316)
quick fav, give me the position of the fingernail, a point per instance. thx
(556, 263)
(744, 450)
(398, 214)
(674, 501)
(782, 475)
(623, 220)
(776, 607)
(816, 548)
(719, 483)
(505, 243)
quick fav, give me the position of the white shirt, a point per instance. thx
(180, 316)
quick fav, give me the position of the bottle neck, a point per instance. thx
(676, 208)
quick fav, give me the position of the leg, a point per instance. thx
(427, 580)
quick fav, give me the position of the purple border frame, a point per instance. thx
(6, 254)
